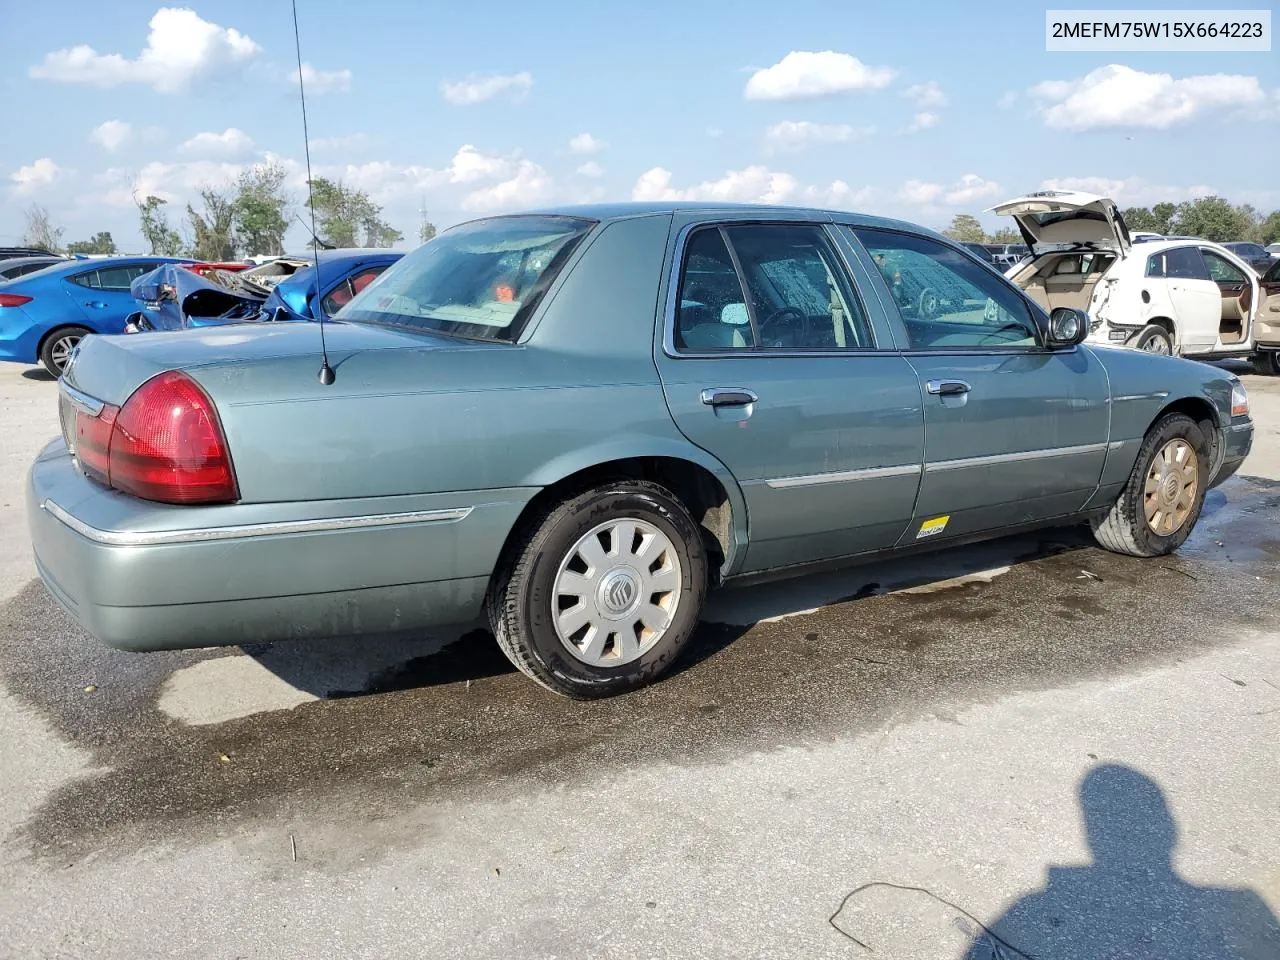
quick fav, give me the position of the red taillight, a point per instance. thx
(164, 444)
(13, 299)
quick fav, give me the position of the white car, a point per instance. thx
(1180, 296)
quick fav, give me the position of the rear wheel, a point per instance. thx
(57, 348)
(1153, 339)
(1267, 363)
(1161, 503)
(600, 595)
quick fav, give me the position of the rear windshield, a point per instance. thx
(480, 280)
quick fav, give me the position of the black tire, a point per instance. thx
(1266, 363)
(521, 598)
(1153, 338)
(1124, 528)
(57, 347)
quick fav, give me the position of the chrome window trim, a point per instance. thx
(941, 465)
(82, 401)
(141, 538)
(673, 293)
(868, 473)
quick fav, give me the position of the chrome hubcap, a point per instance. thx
(616, 592)
(61, 349)
(1170, 490)
(1156, 345)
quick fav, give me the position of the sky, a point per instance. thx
(908, 109)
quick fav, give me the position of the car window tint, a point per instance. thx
(1155, 265)
(799, 296)
(1185, 263)
(1220, 270)
(341, 295)
(946, 300)
(711, 313)
(119, 278)
(87, 279)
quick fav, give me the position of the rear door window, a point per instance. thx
(1185, 263)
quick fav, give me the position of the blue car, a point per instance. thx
(44, 315)
(174, 298)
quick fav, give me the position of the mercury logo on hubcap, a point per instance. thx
(618, 591)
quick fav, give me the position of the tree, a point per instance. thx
(1268, 231)
(1212, 218)
(1005, 235)
(164, 240)
(1157, 219)
(212, 233)
(347, 217)
(966, 229)
(261, 209)
(101, 242)
(40, 231)
(426, 229)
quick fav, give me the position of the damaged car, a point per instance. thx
(1181, 295)
(176, 298)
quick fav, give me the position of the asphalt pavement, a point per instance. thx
(1029, 747)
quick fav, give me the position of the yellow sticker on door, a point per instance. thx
(931, 528)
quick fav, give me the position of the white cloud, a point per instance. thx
(802, 75)
(926, 95)
(530, 185)
(469, 165)
(174, 182)
(923, 120)
(111, 135)
(477, 88)
(754, 184)
(586, 143)
(230, 143)
(1119, 96)
(33, 178)
(590, 169)
(322, 81)
(181, 48)
(385, 181)
(1130, 191)
(798, 134)
(968, 189)
(350, 142)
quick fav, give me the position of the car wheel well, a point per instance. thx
(702, 494)
(58, 329)
(1166, 324)
(1205, 417)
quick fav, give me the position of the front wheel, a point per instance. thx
(57, 348)
(601, 594)
(1161, 503)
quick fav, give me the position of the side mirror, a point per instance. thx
(1067, 327)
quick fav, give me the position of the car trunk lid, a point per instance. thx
(1054, 220)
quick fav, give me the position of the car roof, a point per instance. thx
(10, 262)
(97, 263)
(623, 210)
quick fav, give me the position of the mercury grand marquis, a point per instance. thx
(577, 421)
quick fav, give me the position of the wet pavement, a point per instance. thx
(339, 776)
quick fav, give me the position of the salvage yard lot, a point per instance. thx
(925, 723)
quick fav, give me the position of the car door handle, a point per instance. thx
(947, 388)
(728, 396)
(96, 304)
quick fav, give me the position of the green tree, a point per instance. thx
(101, 242)
(163, 239)
(1268, 231)
(40, 230)
(213, 232)
(260, 215)
(965, 228)
(426, 229)
(1005, 235)
(346, 217)
(1212, 218)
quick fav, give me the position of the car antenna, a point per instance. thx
(327, 375)
(314, 238)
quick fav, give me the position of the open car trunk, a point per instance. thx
(1055, 220)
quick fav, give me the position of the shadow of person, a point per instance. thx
(1129, 903)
